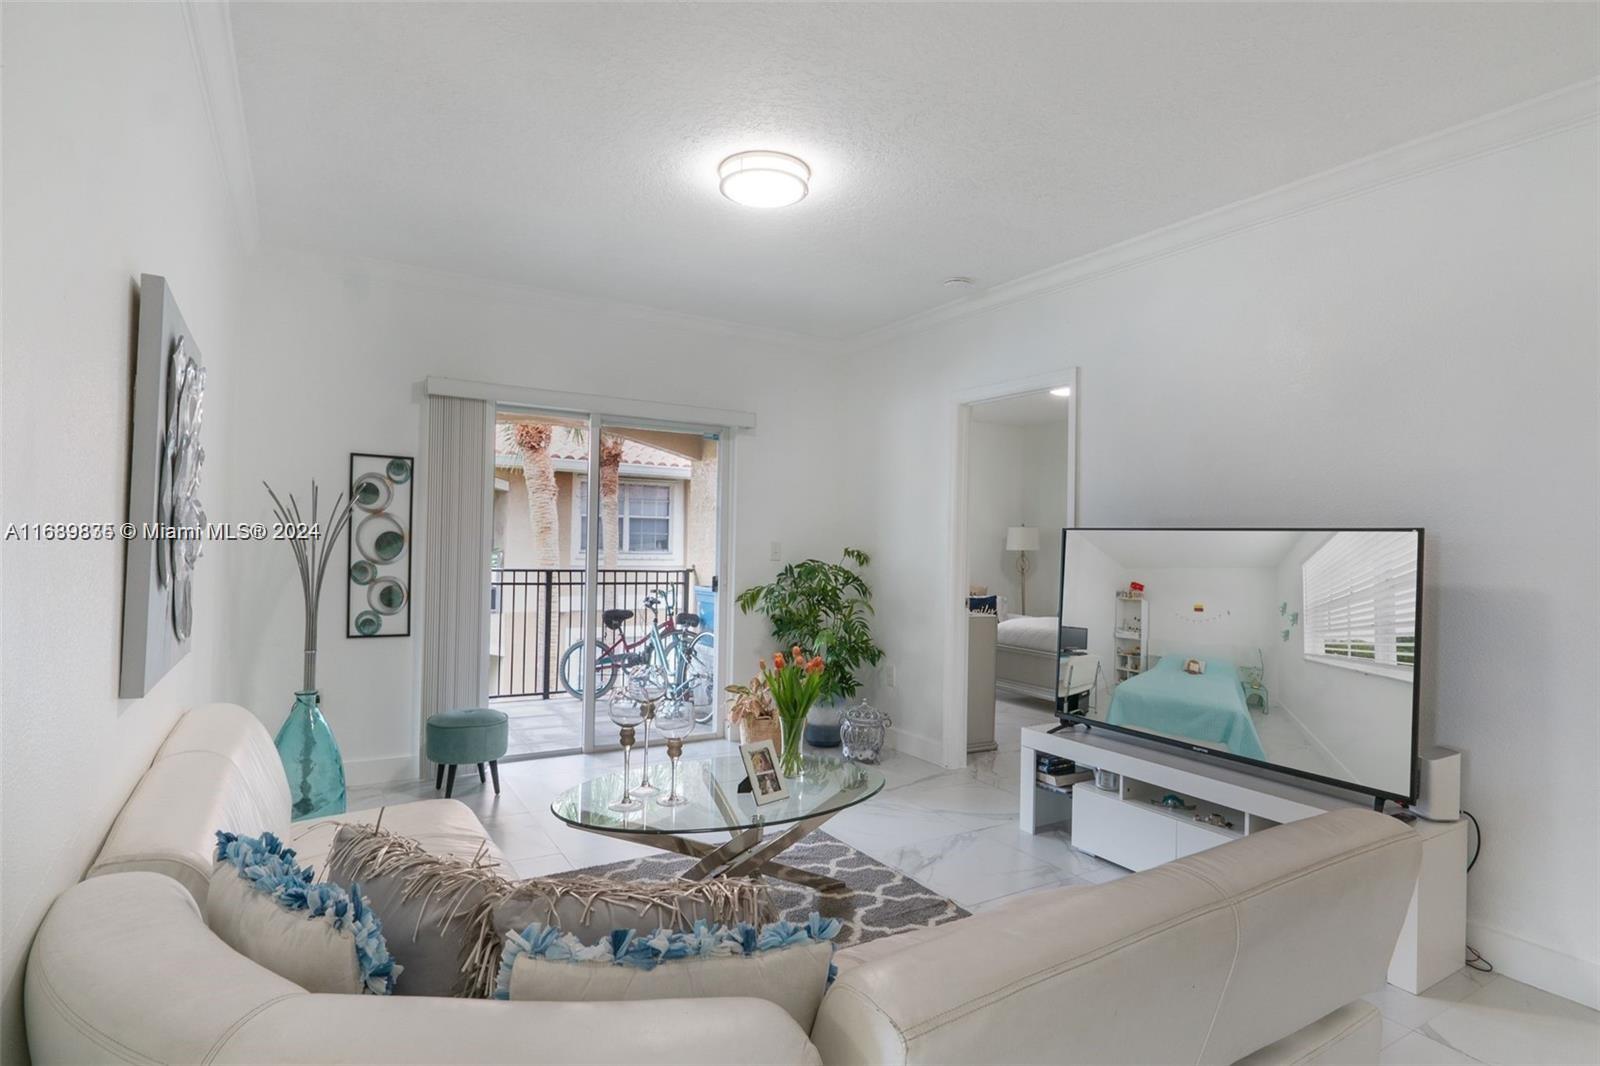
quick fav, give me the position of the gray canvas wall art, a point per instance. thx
(163, 492)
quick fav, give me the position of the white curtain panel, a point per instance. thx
(459, 478)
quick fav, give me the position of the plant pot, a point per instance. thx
(754, 730)
(822, 725)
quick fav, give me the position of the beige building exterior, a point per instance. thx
(662, 518)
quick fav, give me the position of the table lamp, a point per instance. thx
(1022, 540)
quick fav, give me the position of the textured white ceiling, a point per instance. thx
(573, 147)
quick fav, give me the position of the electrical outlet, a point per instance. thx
(888, 674)
(777, 552)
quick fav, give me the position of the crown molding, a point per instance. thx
(1543, 116)
(211, 39)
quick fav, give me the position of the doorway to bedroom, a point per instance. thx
(1017, 490)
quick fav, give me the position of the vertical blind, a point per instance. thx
(458, 471)
(1360, 599)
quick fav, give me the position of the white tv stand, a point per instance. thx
(1129, 827)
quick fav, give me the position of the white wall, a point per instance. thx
(1046, 447)
(337, 351)
(1089, 593)
(1238, 617)
(1010, 483)
(109, 171)
(1449, 319)
(994, 504)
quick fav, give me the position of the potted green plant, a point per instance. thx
(825, 608)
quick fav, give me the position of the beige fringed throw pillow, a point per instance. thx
(426, 902)
(447, 919)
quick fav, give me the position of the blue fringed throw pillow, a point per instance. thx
(315, 934)
(791, 965)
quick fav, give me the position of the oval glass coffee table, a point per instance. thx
(715, 806)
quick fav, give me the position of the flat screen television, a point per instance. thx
(1291, 650)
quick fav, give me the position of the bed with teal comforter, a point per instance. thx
(1207, 708)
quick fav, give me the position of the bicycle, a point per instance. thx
(671, 657)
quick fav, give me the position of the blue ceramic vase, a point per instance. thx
(311, 760)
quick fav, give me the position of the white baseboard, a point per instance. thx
(916, 745)
(383, 770)
(1534, 964)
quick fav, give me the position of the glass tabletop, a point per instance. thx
(826, 785)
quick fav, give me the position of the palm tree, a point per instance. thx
(539, 475)
(610, 469)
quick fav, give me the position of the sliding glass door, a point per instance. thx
(604, 574)
(657, 537)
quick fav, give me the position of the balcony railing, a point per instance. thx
(535, 615)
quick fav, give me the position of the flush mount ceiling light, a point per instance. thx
(1065, 390)
(764, 179)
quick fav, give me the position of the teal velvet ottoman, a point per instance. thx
(475, 735)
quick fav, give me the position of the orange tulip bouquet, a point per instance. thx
(794, 683)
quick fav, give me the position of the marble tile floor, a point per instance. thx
(955, 831)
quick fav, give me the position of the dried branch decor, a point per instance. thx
(312, 559)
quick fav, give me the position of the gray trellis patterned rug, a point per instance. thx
(880, 900)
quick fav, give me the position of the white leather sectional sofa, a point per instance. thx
(1256, 951)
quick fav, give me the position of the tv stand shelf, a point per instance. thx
(1126, 828)
(1212, 783)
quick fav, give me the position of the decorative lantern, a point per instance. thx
(863, 729)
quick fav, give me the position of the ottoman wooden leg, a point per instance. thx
(494, 768)
(482, 777)
(450, 781)
(438, 778)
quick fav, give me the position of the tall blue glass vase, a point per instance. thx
(311, 760)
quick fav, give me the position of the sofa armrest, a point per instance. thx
(1181, 963)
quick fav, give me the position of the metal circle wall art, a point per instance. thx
(179, 503)
(380, 539)
(372, 493)
(378, 589)
(386, 595)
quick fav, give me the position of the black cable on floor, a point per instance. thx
(1474, 959)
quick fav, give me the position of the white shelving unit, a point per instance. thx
(1130, 631)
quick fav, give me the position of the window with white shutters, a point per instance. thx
(1360, 602)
